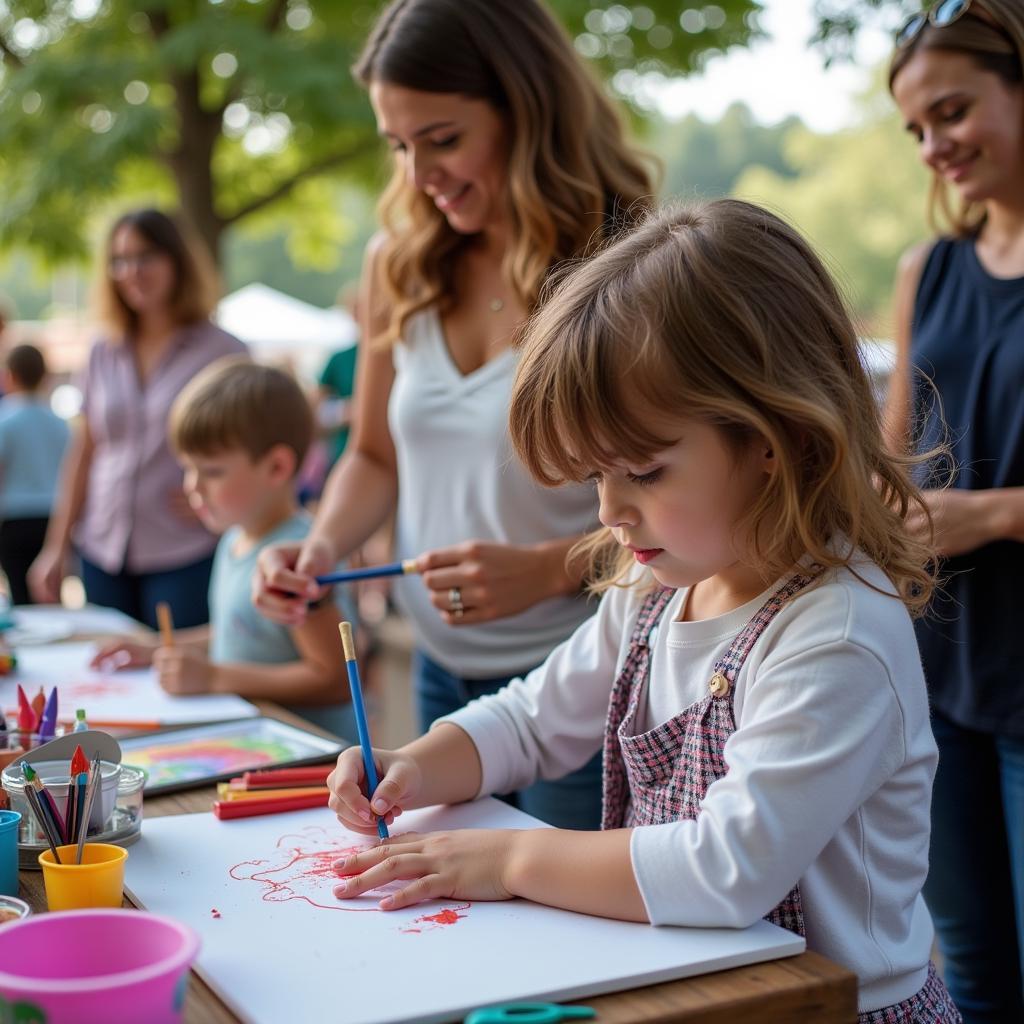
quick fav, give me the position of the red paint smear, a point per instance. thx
(444, 917)
(215, 912)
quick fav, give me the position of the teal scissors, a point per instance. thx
(529, 1013)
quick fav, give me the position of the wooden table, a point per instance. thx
(806, 989)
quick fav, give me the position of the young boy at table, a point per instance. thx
(240, 431)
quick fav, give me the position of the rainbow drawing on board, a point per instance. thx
(181, 760)
(301, 867)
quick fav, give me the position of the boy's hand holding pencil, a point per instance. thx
(183, 670)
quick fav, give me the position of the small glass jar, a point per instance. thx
(117, 808)
(12, 909)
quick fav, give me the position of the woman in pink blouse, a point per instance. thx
(120, 502)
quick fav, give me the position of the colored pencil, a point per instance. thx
(274, 794)
(95, 781)
(45, 797)
(53, 841)
(273, 778)
(166, 622)
(228, 809)
(113, 723)
(349, 648)
(407, 567)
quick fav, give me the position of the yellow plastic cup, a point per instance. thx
(97, 882)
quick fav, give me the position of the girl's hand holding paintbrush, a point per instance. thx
(442, 767)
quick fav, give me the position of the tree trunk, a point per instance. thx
(192, 163)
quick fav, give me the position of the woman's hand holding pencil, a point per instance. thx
(285, 579)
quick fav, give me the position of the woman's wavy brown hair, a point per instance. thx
(992, 35)
(196, 284)
(572, 175)
(720, 312)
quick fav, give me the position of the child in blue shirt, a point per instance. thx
(32, 443)
(241, 431)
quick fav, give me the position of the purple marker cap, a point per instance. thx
(48, 720)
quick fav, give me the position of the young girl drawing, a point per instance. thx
(751, 671)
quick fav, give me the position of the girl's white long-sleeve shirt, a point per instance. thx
(829, 770)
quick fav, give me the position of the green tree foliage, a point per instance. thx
(705, 159)
(236, 108)
(859, 195)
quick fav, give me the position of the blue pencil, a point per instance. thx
(405, 568)
(370, 768)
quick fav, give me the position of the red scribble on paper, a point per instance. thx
(302, 868)
(92, 688)
(215, 913)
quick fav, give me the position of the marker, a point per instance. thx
(26, 716)
(163, 617)
(407, 567)
(345, 629)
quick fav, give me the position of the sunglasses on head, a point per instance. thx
(941, 15)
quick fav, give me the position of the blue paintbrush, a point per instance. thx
(349, 648)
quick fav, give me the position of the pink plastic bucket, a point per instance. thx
(95, 967)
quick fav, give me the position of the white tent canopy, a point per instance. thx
(276, 325)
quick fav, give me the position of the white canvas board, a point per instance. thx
(278, 946)
(132, 695)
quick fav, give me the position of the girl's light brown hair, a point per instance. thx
(196, 284)
(720, 312)
(991, 34)
(571, 173)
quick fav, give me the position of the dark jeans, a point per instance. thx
(975, 887)
(20, 541)
(570, 802)
(137, 594)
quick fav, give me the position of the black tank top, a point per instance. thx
(968, 337)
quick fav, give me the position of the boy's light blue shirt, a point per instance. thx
(239, 633)
(32, 443)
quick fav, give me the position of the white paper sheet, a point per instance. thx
(278, 946)
(133, 695)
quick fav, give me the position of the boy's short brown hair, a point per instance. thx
(235, 403)
(25, 363)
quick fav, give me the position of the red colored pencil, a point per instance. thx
(277, 778)
(228, 809)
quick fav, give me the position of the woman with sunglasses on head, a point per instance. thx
(508, 160)
(956, 76)
(120, 501)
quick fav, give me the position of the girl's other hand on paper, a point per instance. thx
(181, 670)
(470, 864)
(119, 652)
(400, 782)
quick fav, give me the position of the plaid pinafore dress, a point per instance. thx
(663, 774)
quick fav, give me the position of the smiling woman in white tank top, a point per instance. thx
(508, 159)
